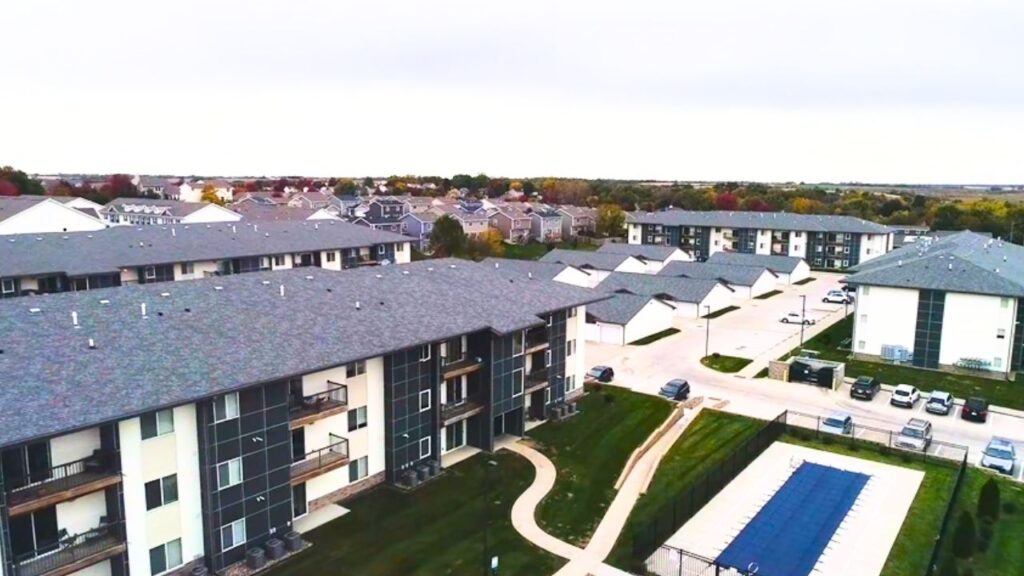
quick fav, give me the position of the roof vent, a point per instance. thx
(378, 275)
(282, 290)
(899, 263)
(34, 310)
(218, 288)
(265, 282)
(405, 272)
(309, 277)
(104, 301)
(951, 266)
(529, 275)
(143, 307)
(495, 265)
(92, 344)
(173, 233)
(74, 319)
(165, 294)
(357, 305)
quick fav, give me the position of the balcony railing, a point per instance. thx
(313, 407)
(536, 339)
(62, 483)
(73, 553)
(456, 411)
(536, 380)
(452, 367)
(323, 460)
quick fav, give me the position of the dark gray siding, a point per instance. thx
(406, 375)
(931, 306)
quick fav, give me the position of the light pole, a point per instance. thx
(487, 513)
(707, 331)
(803, 316)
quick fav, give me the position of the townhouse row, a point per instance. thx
(830, 242)
(76, 261)
(285, 393)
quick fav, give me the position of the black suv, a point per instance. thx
(975, 409)
(865, 388)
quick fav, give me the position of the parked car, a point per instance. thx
(975, 409)
(600, 374)
(904, 395)
(838, 423)
(865, 388)
(915, 435)
(939, 402)
(675, 389)
(837, 297)
(794, 318)
(1000, 454)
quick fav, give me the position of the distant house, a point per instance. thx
(146, 211)
(545, 225)
(256, 212)
(39, 214)
(385, 208)
(473, 223)
(656, 257)
(193, 191)
(513, 223)
(577, 221)
(418, 204)
(155, 185)
(419, 225)
(262, 197)
(313, 199)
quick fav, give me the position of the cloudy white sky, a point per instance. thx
(811, 90)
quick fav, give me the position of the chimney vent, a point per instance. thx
(282, 290)
(34, 310)
(357, 305)
(104, 301)
(92, 344)
(173, 232)
(74, 319)
(143, 306)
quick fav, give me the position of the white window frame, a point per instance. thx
(167, 564)
(331, 256)
(521, 337)
(1001, 333)
(547, 358)
(861, 344)
(425, 353)
(279, 260)
(400, 247)
(237, 527)
(571, 313)
(188, 268)
(547, 396)
(420, 400)
(163, 426)
(228, 414)
(997, 362)
(380, 250)
(425, 453)
(7, 286)
(161, 482)
(517, 377)
(228, 466)
(570, 348)
(551, 320)
(361, 467)
(361, 422)
(149, 272)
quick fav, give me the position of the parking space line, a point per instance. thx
(938, 450)
(1020, 473)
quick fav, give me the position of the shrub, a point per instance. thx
(988, 500)
(982, 545)
(964, 536)
(715, 354)
(968, 571)
(985, 531)
(1009, 508)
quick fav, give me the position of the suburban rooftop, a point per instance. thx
(739, 275)
(586, 259)
(691, 290)
(208, 337)
(528, 268)
(109, 250)
(761, 220)
(773, 262)
(646, 251)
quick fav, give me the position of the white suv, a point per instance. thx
(837, 297)
(904, 395)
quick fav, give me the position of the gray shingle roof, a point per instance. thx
(109, 250)
(761, 220)
(647, 251)
(738, 275)
(586, 259)
(12, 205)
(198, 341)
(963, 262)
(172, 207)
(528, 268)
(691, 290)
(780, 264)
(620, 308)
(258, 212)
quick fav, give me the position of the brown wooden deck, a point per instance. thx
(460, 368)
(313, 467)
(47, 494)
(73, 558)
(459, 412)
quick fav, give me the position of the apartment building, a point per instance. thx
(831, 242)
(147, 212)
(122, 454)
(955, 303)
(49, 263)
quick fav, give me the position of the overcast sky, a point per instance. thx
(804, 90)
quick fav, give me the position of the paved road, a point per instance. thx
(754, 332)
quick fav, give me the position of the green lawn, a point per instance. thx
(1005, 553)
(912, 550)
(535, 250)
(807, 280)
(727, 364)
(654, 337)
(707, 441)
(722, 312)
(437, 529)
(768, 295)
(999, 392)
(589, 450)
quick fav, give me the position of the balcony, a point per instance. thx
(456, 412)
(536, 339)
(455, 367)
(63, 483)
(321, 461)
(536, 380)
(309, 409)
(74, 553)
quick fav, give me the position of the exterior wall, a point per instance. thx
(797, 244)
(82, 514)
(765, 284)
(403, 253)
(873, 246)
(406, 375)
(211, 213)
(654, 317)
(74, 446)
(740, 292)
(187, 193)
(336, 265)
(763, 242)
(596, 277)
(632, 265)
(971, 326)
(575, 330)
(49, 216)
(606, 333)
(574, 277)
(884, 316)
(634, 233)
(801, 272)
(719, 298)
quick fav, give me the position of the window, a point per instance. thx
(425, 353)
(860, 344)
(424, 447)
(424, 400)
(1001, 333)
(868, 252)
(863, 317)
(357, 418)
(846, 263)
(547, 358)
(551, 319)
(157, 424)
(517, 382)
(570, 347)
(357, 470)
(225, 407)
(571, 313)
(570, 383)
(161, 491)
(355, 369)
(299, 505)
(7, 286)
(331, 256)
(279, 260)
(187, 268)
(264, 263)
(399, 247)
(232, 535)
(547, 395)
(229, 473)
(149, 272)
(380, 249)
(165, 557)
(517, 344)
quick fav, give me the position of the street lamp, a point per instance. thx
(803, 316)
(487, 516)
(707, 331)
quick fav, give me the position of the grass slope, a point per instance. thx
(654, 337)
(589, 451)
(1005, 553)
(768, 295)
(437, 529)
(727, 364)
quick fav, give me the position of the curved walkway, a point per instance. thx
(524, 510)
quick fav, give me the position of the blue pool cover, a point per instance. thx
(790, 532)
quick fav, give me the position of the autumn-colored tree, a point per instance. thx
(493, 241)
(727, 201)
(447, 237)
(8, 189)
(755, 204)
(24, 183)
(209, 194)
(610, 221)
(251, 186)
(806, 206)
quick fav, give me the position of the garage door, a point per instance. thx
(611, 333)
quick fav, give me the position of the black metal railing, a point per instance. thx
(336, 395)
(536, 337)
(62, 477)
(71, 549)
(458, 408)
(334, 452)
(537, 378)
(667, 560)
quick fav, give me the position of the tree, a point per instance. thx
(964, 536)
(988, 500)
(948, 568)
(803, 205)
(345, 187)
(368, 182)
(727, 201)
(24, 183)
(8, 189)
(611, 220)
(493, 242)
(209, 194)
(754, 204)
(119, 186)
(447, 237)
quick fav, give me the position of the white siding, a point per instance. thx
(764, 284)
(605, 333)
(403, 256)
(82, 514)
(49, 216)
(798, 244)
(74, 446)
(574, 277)
(970, 329)
(576, 329)
(884, 316)
(633, 233)
(719, 298)
(874, 245)
(211, 213)
(801, 272)
(654, 317)
(632, 265)
(763, 242)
